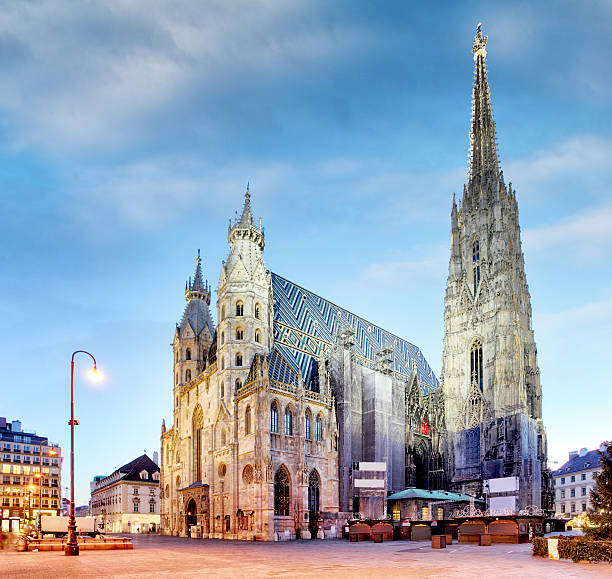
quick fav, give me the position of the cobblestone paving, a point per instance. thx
(155, 556)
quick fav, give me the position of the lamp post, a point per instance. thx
(72, 546)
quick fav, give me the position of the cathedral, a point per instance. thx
(292, 414)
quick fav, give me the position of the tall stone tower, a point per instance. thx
(490, 375)
(194, 334)
(244, 303)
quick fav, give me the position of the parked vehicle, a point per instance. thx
(58, 526)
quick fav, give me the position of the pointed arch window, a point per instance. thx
(238, 359)
(258, 336)
(238, 383)
(476, 363)
(197, 424)
(274, 418)
(319, 429)
(188, 354)
(257, 311)
(288, 422)
(239, 334)
(187, 375)
(314, 484)
(239, 309)
(476, 264)
(307, 425)
(247, 420)
(282, 497)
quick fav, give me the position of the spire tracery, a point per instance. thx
(484, 162)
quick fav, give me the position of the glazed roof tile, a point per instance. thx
(305, 324)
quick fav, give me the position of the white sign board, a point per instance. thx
(503, 485)
(369, 483)
(501, 504)
(373, 466)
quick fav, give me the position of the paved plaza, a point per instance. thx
(155, 556)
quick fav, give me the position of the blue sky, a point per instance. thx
(128, 131)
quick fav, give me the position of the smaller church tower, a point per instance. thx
(194, 334)
(244, 303)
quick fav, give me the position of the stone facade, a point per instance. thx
(490, 374)
(252, 452)
(387, 417)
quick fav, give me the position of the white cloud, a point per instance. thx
(406, 273)
(588, 315)
(586, 234)
(582, 154)
(89, 75)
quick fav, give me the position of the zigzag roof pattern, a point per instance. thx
(305, 324)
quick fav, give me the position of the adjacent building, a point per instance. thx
(30, 483)
(490, 374)
(573, 483)
(128, 500)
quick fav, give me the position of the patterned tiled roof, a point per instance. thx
(305, 324)
(279, 369)
(579, 463)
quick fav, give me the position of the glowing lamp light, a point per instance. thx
(95, 375)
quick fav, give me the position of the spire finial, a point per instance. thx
(480, 42)
(197, 285)
(247, 217)
(484, 162)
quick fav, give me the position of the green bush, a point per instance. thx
(540, 547)
(584, 549)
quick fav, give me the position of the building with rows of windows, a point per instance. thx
(127, 501)
(30, 467)
(573, 483)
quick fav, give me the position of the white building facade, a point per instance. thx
(128, 501)
(574, 481)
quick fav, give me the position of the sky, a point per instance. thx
(128, 133)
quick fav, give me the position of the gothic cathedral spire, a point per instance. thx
(489, 366)
(484, 162)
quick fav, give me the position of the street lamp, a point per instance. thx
(72, 546)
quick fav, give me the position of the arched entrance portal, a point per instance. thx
(191, 515)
